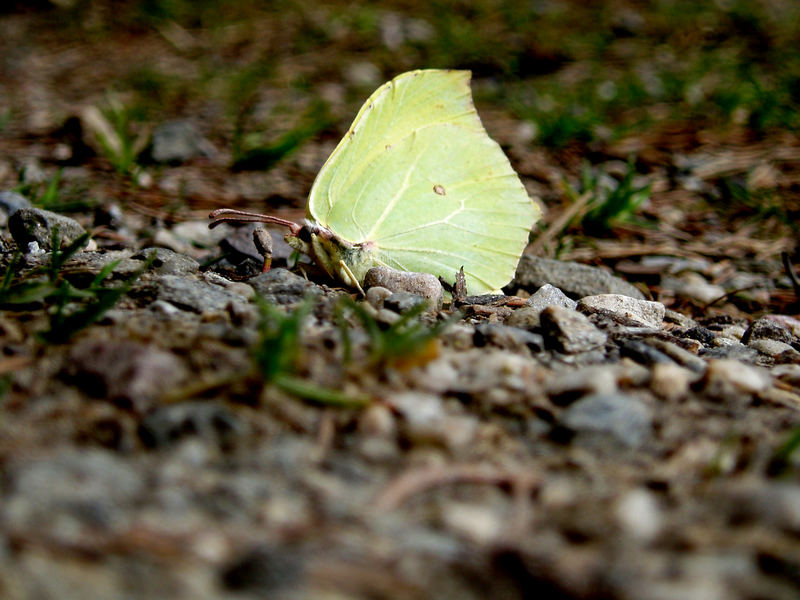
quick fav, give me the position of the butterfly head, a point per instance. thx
(343, 260)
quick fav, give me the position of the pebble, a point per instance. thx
(11, 202)
(421, 284)
(425, 421)
(775, 503)
(565, 388)
(624, 418)
(401, 302)
(774, 348)
(641, 352)
(376, 295)
(574, 279)
(570, 331)
(178, 141)
(168, 424)
(670, 381)
(766, 329)
(130, 374)
(725, 379)
(527, 317)
(194, 295)
(32, 229)
(509, 338)
(165, 262)
(264, 570)
(86, 489)
(678, 354)
(638, 515)
(641, 312)
(279, 286)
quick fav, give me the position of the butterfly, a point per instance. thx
(416, 184)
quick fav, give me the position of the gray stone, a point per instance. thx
(766, 329)
(279, 286)
(195, 296)
(421, 284)
(565, 388)
(73, 492)
(11, 202)
(168, 424)
(165, 262)
(527, 317)
(641, 352)
(773, 348)
(179, 141)
(624, 418)
(574, 279)
(776, 504)
(401, 302)
(641, 312)
(726, 380)
(33, 228)
(509, 338)
(128, 373)
(376, 296)
(569, 331)
(670, 381)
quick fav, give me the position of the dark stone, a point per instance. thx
(701, 334)
(569, 331)
(264, 569)
(36, 226)
(165, 425)
(642, 353)
(766, 329)
(574, 279)
(624, 418)
(510, 338)
(279, 286)
(401, 302)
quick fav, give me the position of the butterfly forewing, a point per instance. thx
(419, 177)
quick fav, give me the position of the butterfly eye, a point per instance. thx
(305, 235)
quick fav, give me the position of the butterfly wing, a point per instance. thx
(418, 176)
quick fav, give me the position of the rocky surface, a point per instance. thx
(592, 449)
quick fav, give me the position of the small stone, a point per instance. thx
(680, 355)
(477, 523)
(128, 373)
(527, 317)
(377, 421)
(572, 278)
(29, 226)
(570, 331)
(565, 388)
(670, 381)
(165, 262)
(11, 202)
(169, 424)
(401, 302)
(193, 295)
(641, 312)
(772, 348)
(265, 570)
(641, 352)
(777, 504)
(426, 422)
(702, 334)
(179, 141)
(725, 379)
(624, 418)
(376, 295)
(766, 329)
(509, 338)
(279, 286)
(421, 284)
(638, 515)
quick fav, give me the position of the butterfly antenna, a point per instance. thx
(232, 215)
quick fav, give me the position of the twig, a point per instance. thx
(790, 272)
(418, 480)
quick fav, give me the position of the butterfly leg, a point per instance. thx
(347, 270)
